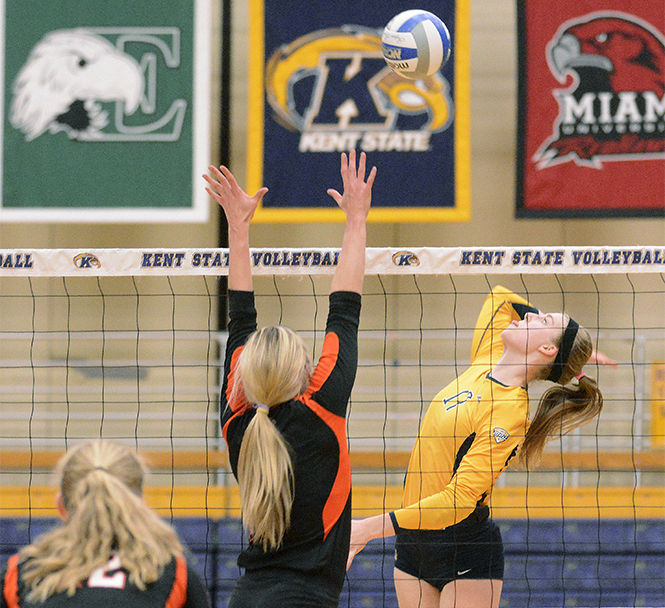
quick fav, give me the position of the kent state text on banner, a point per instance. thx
(319, 86)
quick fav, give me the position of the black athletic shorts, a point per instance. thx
(281, 587)
(471, 549)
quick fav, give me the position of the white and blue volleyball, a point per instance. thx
(415, 44)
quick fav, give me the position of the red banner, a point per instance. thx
(592, 108)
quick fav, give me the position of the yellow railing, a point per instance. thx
(520, 502)
(507, 502)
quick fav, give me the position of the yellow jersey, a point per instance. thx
(470, 431)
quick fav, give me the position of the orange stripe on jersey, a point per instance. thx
(10, 587)
(178, 595)
(225, 428)
(327, 362)
(341, 489)
(238, 403)
(339, 494)
(238, 406)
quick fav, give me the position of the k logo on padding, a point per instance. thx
(86, 260)
(405, 258)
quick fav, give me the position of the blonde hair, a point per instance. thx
(273, 367)
(564, 406)
(100, 484)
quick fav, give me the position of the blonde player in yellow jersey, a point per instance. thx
(449, 552)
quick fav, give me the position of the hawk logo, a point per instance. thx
(500, 435)
(614, 108)
(334, 87)
(71, 76)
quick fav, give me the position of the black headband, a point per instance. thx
(565, 347)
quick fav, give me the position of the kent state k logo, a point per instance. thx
(86, 260)
(334, 87)
(74, 78)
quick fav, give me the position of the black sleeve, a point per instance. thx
(341, 363)
(242, 322)
(197, 594)
(522, 309)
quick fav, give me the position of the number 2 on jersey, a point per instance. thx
(110, 576)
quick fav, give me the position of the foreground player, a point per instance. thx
(285, 424)
(110, 550)
(449, 552)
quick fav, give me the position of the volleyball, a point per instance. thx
(415, 44)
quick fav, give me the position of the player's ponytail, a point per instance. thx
(265, 479)
(273, 367)
(101, 484)
(573, 400)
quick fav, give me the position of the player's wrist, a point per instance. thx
(357, 222)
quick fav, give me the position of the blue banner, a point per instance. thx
(319, 86)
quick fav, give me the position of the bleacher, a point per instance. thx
(549, 563)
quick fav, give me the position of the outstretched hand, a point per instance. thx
(357, 197)
(238, 206)
(602, 359)
(364, 530)
(359, 539)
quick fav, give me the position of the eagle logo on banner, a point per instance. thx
(63, 80)
(615, 107)
(365, 106)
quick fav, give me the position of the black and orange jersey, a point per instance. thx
(314, 426)
(470, 431)
(177, 587)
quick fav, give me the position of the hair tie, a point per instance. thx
(261, 409)
(580, 376)
(563, 353)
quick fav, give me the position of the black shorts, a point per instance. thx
(469, 550)
(269, 588)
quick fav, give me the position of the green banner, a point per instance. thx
(105, 110)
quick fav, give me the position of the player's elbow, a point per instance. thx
(465, 500)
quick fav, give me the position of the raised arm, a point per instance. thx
(500, 308)
(239, 209)
(355, 202)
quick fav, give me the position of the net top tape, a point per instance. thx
(322, 261)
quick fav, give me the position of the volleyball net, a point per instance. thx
(127, 345)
